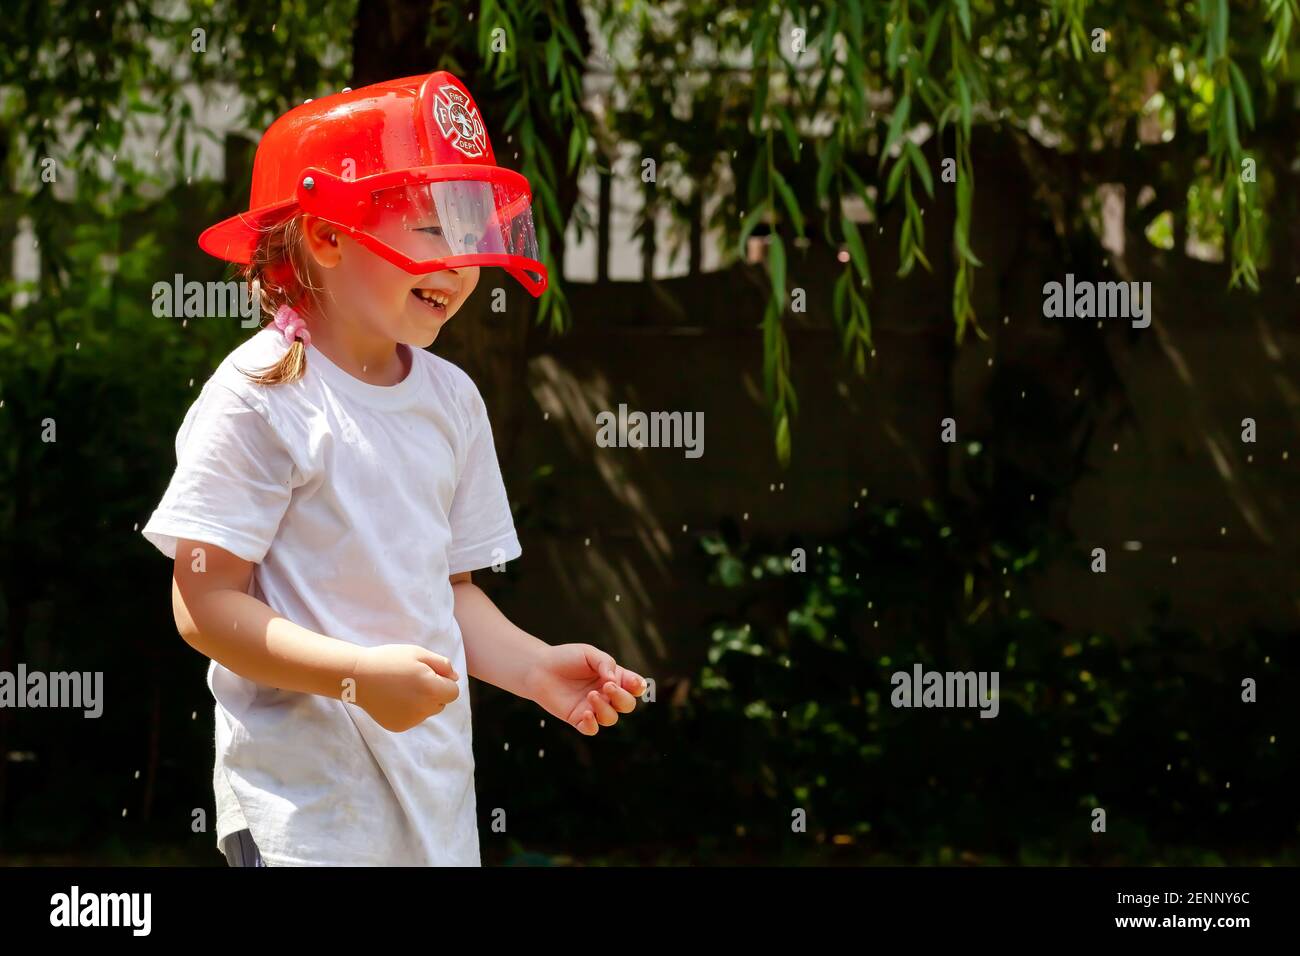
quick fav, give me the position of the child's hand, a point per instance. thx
(583, 686)
(402, 685)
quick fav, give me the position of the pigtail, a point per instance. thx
(280, 275)
(291, 368)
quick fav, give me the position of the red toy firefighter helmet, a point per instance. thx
(405, 168)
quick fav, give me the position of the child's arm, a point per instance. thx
(496, 651)
(399, 685)
(577, 683)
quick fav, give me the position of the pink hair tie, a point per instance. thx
(292, 325)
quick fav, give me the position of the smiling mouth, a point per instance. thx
(437, 301)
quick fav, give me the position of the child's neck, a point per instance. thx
(371, 359)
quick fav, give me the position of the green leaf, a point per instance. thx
(857, 72)
(787, 387)
(760, 102)
(897, 40)
(857, 251)
(862, 316)
(552, 58)
(857, 22)
(964, 99)
(776, 264)
(749, 223)
(762, 34)
(828, 160)
(859, 186)
(895, 177)
(963, 14)
(516, 111)
(837, 299)
(788, 198)
(577, 140)
(906, 249)
(561, 27)
(550, 205)
(783, 439)
(788, 127)
(963, 246)
(1230, 123)
(896, 125)
(486, 18)
(1243, 94)
(922, 167)
(932, 34)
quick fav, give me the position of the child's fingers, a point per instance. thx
(440, 665)
(599, 662)
(586, 724)
(632, 682)
(606, 716)
(619, 699)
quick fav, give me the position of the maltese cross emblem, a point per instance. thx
(458, 119)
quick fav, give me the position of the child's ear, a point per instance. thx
(322, 242)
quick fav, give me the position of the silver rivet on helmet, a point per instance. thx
(309, 183)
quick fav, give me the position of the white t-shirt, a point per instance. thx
(356, 502)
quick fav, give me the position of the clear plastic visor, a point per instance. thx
(440, 220)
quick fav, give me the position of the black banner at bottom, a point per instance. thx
(615, 907)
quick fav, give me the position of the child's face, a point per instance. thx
(387, 299)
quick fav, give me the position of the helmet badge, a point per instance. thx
(458, 119)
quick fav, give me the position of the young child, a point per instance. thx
(336, 486)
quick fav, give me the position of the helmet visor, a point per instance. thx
(452, 223)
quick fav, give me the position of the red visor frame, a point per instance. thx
(337, 200)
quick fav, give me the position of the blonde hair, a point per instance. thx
(282, 274)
